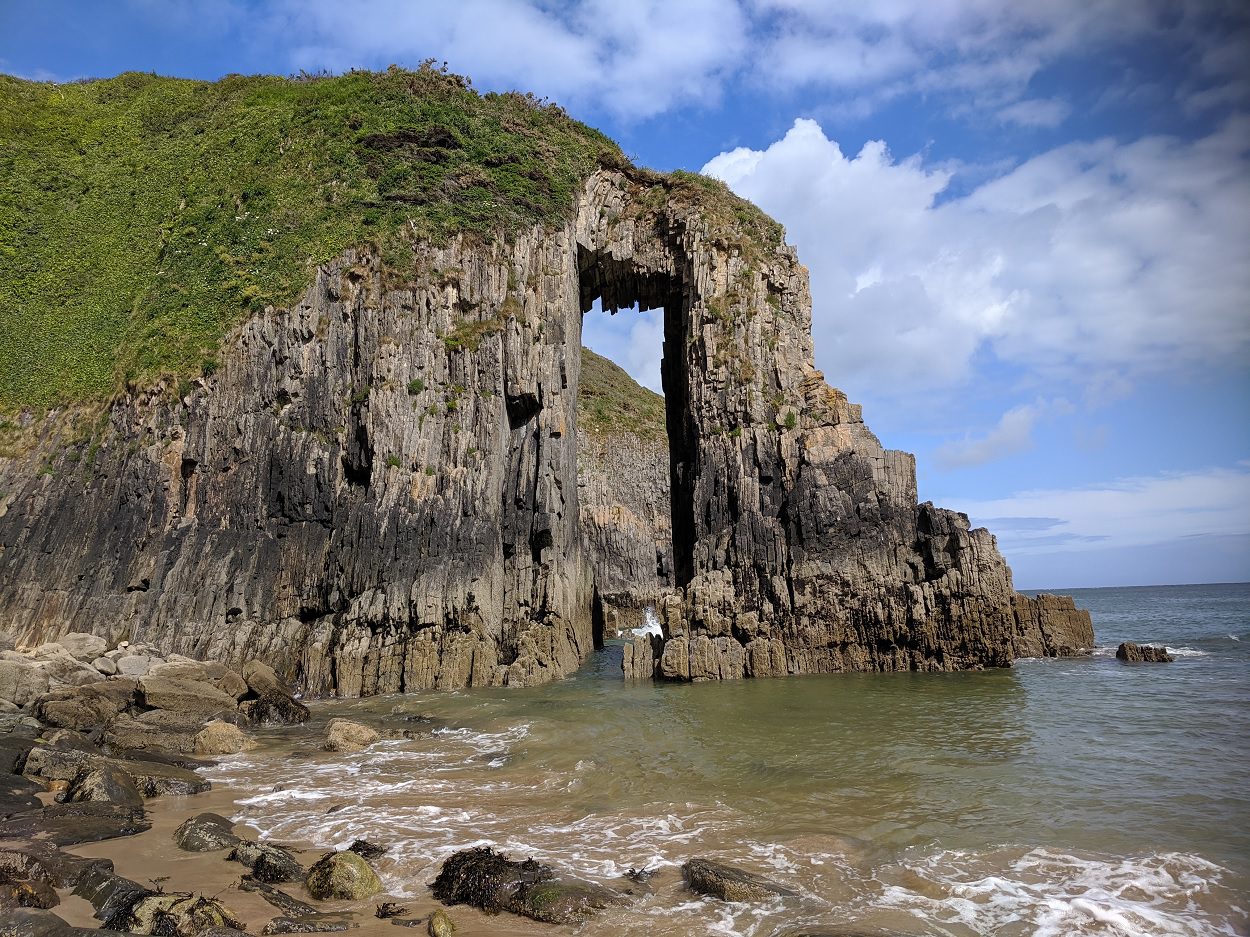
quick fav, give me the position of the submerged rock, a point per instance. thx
(489, 880)
(290, 925)
(342, 875)
(206, 832)
(1131, 653)
(708, 877)
(345, 736)
(285, 903)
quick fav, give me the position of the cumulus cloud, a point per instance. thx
(1127, 512)
(1095, 262)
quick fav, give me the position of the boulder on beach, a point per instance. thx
(173, 914)
(206, 832)
(272, 702)
(343, 735)
(269, 864)
(25, 883)
(107, 783)
(708, 877)
(342, 875)
(21, 681)
(441, 924)
(184, 695)
(222, 738)
(1131, 653)
(85, 647)
(489, 880)
(82, 707)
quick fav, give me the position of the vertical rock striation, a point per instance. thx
(378, 489)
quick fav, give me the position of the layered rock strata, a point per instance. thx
(377, 490)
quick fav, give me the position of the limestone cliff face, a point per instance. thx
(378, 489)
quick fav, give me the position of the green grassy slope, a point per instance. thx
(610, 401)
(142, 217)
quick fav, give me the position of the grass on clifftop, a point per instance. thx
(609, 401)
(142, 217)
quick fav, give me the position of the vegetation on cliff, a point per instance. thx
(141, 217)
(609, 401)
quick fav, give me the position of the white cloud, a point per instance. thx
(1096, 262)
(1012, 434)
(1036, 112)
(631, 338)
(1127, 512)
(634, 59)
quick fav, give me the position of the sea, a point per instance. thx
(1055, 798)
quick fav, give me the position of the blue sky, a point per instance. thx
(1028, 225)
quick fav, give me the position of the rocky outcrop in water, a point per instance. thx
(377, 489)
(1131, 653)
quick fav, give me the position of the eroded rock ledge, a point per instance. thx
(377, 490)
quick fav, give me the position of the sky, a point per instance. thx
(1027, 224)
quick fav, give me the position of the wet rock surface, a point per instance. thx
(486, 879)
(206, 832)
(345, 876)
(709, 877)
(269, 864)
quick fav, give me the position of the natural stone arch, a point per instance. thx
(377, 489)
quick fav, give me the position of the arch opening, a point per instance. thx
(632, 471)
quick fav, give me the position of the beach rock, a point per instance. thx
(362, 847)
(206, 832)
(105, 665)
(68, 824)
(103, 782)
(136, 735)
(292, 907)
(18, 795)
(486, 879)
(345, 736)
(222, 738)
(1131, 653)
(14, 747)
(441, 924)
(230, 683)
(80, 708)
(35, 922)
(269, 864)
(24, 882)
(289, 925)
(133, 665)
(188, 697)
(156, 779)
(342, 875)
(173, 914)
(273, 702)
(84, 647)
(708, 877)
(21, 682)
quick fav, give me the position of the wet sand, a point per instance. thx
(152, 856)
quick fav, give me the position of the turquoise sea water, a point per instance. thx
(1081, 797)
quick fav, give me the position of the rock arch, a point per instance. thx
(377, 490)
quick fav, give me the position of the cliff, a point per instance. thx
(375, 486)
